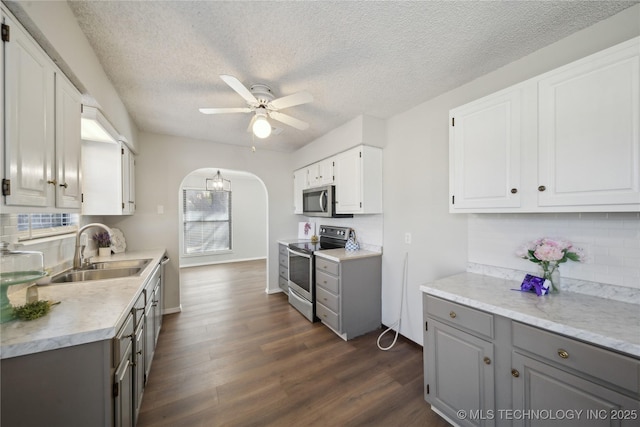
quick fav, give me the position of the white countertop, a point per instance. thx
(607, 323)
(88, 311)
(342, 255)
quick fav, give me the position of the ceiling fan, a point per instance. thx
(263, 104)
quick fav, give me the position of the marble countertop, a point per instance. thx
(603, 322)
(342, 255)
(88, 311)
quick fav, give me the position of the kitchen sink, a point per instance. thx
(127, 263)
(99, 274)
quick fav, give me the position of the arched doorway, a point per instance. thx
(221, 227)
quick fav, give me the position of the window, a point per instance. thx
(207, 221)
(33, 226)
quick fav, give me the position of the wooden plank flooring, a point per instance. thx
(236, 356)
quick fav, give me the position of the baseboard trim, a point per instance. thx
(172, 310)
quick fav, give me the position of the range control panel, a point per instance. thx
(334, 232)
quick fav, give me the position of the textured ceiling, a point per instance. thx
(376, 58)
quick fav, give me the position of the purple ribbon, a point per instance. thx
(535, 284)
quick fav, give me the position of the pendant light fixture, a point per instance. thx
(218, 183)
(261, 126)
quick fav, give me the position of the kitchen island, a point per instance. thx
(490, 350)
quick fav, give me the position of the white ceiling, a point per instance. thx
(356, 57)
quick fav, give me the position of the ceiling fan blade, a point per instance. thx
(242, 90)
(288, 120)
(291, 100)
(225, 110)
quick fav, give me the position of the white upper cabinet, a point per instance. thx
(358, 180)
(485, 139)
(589, 121)
(42, 128)
(565, 141)
(128, 181)
(108, 175)
(68, 105)
(29, 117)
(321, 173)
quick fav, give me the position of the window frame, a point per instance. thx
(33, 233)
(229, 221)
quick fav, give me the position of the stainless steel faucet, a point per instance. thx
(78, 256)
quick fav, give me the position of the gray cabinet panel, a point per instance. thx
(349, 295)
(567, 353)
(460, 373)
(541, 387)
(525, 376)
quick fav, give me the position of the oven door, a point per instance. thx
(301, 273)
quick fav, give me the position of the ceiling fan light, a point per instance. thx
(261, 127)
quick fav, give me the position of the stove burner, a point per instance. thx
(330, 238)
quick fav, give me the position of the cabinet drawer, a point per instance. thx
(284, 260)
(327, 266)
(460, 316)
(606, 365)
(328, 316)
(122, 340)
(283, 250)
(328, 299)
(330, 283)
(284, 272)
(283, 283)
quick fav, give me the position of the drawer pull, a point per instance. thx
(563, 353)
(515, 373)
(452, 314)
(487, 361)
(514, 190)
(542, 188)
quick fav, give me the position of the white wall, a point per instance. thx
(611, 242)
(248, 217)
(164, 161)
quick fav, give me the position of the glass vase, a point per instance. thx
(551, 273)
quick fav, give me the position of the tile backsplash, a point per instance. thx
(611, 242)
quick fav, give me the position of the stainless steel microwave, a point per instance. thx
(321, 201)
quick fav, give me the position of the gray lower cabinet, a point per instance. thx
(560, 374)
(94, 384)
(283, 267)
(348, 295)
(502, 372)
(459, 368)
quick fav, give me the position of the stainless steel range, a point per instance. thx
(302, 267)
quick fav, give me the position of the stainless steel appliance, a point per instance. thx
(321, 201)
(302, 267)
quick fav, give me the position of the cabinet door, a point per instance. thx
(589, 124)
(128, 181)
(460, 374)
(138, 369)
(484, 152)
(349, 181)
(538, 386)
(299, 184)
(68, 105)
(123, 390)
(29, 118)
(325, 171)
(101, 178)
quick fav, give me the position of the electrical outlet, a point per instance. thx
(407, 238)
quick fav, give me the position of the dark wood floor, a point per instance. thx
(236, 356)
